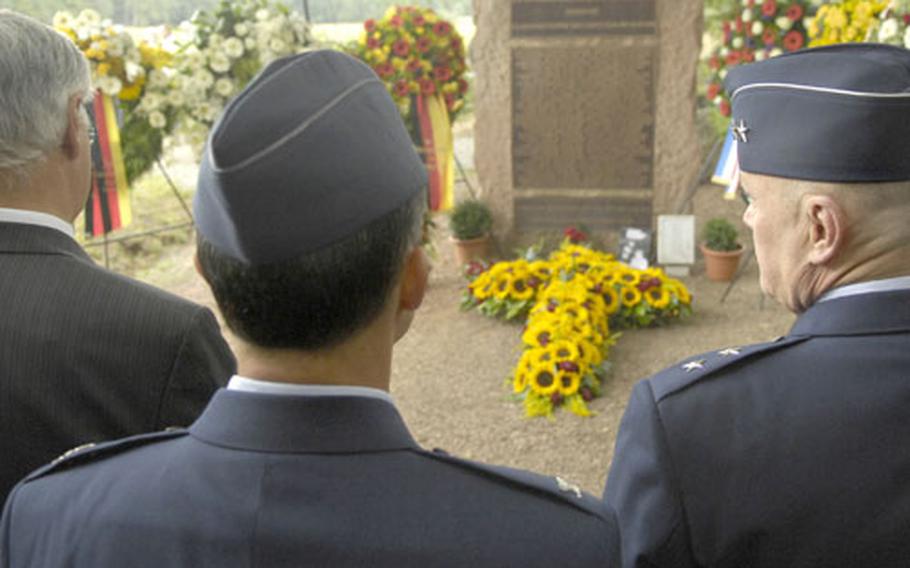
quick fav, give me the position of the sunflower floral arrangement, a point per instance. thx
(227, 48)
(894, 24)
(571, 299)
(844, 21)
(756, 30)
(415, 52)
(130, 73)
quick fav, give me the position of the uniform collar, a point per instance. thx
(302, 424)
(872, 286)
(861, 314)
(27, 217)
(246, 384)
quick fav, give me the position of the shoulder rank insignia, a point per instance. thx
(564, 485)
(729, 352)
(694, 365)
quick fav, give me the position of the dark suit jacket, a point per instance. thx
(791, 453)
(88, 355)
(272, 480)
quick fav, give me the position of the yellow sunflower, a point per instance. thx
(539, 333)
(630, 296)
(502, 287)
(658, 297)
(678, 288)
(629, 277)
(543, 380)
(611, 299)
(589, 353)
(519, 289)
(567, 382)
(565, 350)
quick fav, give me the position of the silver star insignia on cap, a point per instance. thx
(729, 352)
(694, 365)
(568, 487)
(740, 131)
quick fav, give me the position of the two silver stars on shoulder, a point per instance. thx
(564, 485)
(700, 363)
(740, 131)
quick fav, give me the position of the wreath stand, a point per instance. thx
(107, 240)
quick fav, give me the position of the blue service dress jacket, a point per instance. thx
(87, 355)
(792, 453)
(265, 480)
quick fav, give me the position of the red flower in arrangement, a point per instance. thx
(424, 44)
(414, 65)
(739, 24)
(442, 28)
(556, 399)
(733, 58)
(456, 43)
(575, 235)
(462, 86)
(401, 88)
(369, 25)
(769, 8)
(713, 91)
(795, 12)
(586, 394)
(419, 20)
(401, 47)
(396, 21)
(648, 283)
(793, 41)
(714, 62)
(725, 107)
(475, 268)
(747, 56)
(450, 104)
(769, 36)
(385, 70)
(373, 43)
(568, 366)
(427, 86)
(907, 19)
(442, 74)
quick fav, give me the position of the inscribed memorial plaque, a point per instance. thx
(583, 117)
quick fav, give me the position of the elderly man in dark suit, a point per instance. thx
(795, 452)
(310, 208)
(85, 355)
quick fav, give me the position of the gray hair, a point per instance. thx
(40, 69)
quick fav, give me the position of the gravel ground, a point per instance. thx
(449, 371)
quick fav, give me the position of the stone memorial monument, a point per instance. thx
(585, 111)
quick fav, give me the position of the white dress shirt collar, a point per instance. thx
(872, 286)
(246, 384)
(26, 217)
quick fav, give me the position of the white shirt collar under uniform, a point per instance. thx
(246, 384)
(26, 217)
(872, 286)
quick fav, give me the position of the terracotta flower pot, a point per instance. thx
(471, 249)
(721, 266)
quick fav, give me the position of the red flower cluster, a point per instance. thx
(575, 235)
(753, 31)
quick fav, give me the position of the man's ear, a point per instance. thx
(827, 228)
(73, 137)
(414, 279)
(411, 290)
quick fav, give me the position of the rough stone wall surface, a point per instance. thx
(583, 126)
(492, 103)
(676, 145)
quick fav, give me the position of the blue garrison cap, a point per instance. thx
(310, 152)
(839, 114)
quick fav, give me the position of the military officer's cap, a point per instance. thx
(839, 114)
(310, 152)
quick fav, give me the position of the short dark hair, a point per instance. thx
(320, 299)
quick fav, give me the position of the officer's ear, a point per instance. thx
(411, 289)
(827, 228)
(76, 129)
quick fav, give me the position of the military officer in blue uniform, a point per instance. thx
(794, 452)
(310, 205)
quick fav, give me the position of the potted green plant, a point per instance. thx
(721, 249)
(471, 222)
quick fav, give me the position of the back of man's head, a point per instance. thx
(310, 198)
(40, 70)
